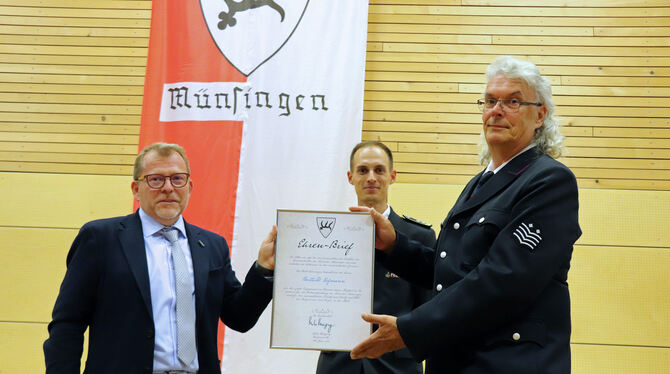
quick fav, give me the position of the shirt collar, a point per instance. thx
(490, 166)
(150, 226)
(387, 212)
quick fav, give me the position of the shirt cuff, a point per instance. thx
(267, 273)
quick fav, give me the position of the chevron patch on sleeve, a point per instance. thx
(528, 235)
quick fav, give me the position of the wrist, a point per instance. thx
(262, 270)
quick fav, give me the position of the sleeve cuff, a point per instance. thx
(267, 273)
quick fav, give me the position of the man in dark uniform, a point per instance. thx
(371, 172)
(501, 266)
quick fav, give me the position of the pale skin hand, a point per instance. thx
(384, 231)
(266, 254)
(385, 339)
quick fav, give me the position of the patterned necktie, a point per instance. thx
(483, 179)
(185, 314)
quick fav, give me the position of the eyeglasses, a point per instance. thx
(157, 181)
(509, 105)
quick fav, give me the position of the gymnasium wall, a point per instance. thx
(71, 76)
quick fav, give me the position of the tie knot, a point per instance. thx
(170, 233)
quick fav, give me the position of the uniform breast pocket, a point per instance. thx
(481, 230)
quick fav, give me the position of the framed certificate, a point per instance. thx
(323, 280)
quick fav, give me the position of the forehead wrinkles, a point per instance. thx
(509, 87)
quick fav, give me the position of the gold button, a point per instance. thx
(516, 336)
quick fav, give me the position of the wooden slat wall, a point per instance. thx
(71, 76)
(71, 83)
(608, 62)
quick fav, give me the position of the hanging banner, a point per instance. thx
(267, 99)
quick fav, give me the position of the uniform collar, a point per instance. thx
(496, 170)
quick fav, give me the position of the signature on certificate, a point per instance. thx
(320, 322)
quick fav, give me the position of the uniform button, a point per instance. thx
(439, 287)
(443, 254)
(516, 336)
(456, 225)
(481, 220)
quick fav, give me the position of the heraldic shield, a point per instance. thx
(325, 225)
(249, 32)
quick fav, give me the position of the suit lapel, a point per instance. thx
(200, 257)
(132, 244)
(498, 182)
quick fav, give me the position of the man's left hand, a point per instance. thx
(266, 255)
(385, 339)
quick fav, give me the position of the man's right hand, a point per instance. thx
(384, 231)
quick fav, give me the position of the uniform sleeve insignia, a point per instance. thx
(528, 235)
(416, 221)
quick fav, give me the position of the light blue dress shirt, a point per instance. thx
(163, 292)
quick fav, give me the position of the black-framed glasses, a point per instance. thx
(156, 181)
(510, 105)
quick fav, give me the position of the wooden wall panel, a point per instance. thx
(71, 84)
(71, 62)
(608, 62)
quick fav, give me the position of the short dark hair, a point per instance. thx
(370, 143)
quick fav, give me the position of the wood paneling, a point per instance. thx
(608, 63)
(71, 84)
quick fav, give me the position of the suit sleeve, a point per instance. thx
(74, 307)
(423, 294)
(509, 278)
(412, 260)
(244, 303)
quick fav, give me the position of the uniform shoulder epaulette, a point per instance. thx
(416, 221)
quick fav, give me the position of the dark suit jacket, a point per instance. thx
(106, 288)
(392, 296)
(499, 273)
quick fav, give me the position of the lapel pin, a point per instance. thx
(201, 243)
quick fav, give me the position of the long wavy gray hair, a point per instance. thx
(548, 138)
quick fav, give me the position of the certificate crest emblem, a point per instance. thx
(325, 225)
(249, 32)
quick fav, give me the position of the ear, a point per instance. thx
(135, 187)
(190, 185)
(393, 175)
(541, 115)
(349, 177)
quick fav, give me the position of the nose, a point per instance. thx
(497, 109)
(167, 186)
(370, 177)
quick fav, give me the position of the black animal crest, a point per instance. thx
(326, 225)
(228, 19)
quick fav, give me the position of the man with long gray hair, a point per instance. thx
(499, 271)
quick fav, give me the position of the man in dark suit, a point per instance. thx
(500, 268)
(371, 173)
(150, 287)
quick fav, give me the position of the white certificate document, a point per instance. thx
(323, 280)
